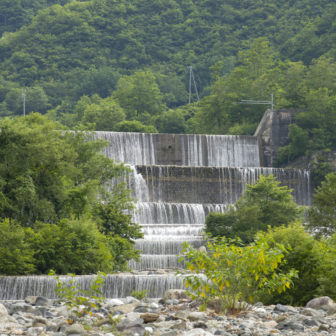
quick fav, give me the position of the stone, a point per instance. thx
(330, 308)
(149, 317)
(281, 308)
(127, 323)
(175, 294)
(323, 327)
(131, 299)
(21, 307)
(30, 299)
(114, 302)
(200, 324)
(293, 325)
(317, 303)
(75, 329)
(197, 332)
(42, 301)
(312, 312)
(195, 316)
(135, 331)
(141, 309)
(124, 308)
(270, 324)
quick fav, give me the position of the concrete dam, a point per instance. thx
(177, 180)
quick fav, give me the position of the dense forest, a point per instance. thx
(123, 65)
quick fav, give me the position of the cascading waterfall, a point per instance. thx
(116, 285)
(177, 180)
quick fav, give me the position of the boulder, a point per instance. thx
(317, 303)
(175, 294)
(149, 317)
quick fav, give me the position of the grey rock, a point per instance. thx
(310, 322)
(281, 308)
(317, 303)
(175, 294)
(197, 332)
(135, 330)
(196, 316)
(75, 329)
(127, 323)
(324, 327)
(312, 312)
(293, 325)
(141, 309)
(42, 301)
(21, 307)
(115, 302)
(35, 331)
(30, 300)
(200, 324)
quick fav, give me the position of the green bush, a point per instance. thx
(234, 274)
(15, 254)
(70, 246)
(261, 205)
(327, 267)
(321, 215)
(304, 254)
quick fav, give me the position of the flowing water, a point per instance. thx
(177, 180)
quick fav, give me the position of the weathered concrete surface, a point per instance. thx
(215, 185)
(273, 132)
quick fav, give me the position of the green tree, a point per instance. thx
(321, 215)
(70, 246)
(262, 205)
(135, 126)
(105, 115)
(47, 174)
(17, 257)
(139, 95)
(304, 254)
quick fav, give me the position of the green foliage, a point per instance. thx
(140, 295)
(261, 205)
(135, 126)
(321, 215)
(237, 46)
(53, 182)
(297, 146)
(327, 268)
(303, 253)
(15, 254)
(46, 174)
(74, 246)
(105, 115)
(235, 275)
(78, 301)
(171, 121)
(139, 95)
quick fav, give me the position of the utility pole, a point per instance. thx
(23, 96)
(192, 80)
(259, 102)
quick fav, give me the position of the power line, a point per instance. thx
(259, 102)
(23, 96)
(192, 81)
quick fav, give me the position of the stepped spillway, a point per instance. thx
(177, 180)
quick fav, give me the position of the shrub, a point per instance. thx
(15, 254)
(235, 274)
(70, 246)
(263, 204)
(304, 254)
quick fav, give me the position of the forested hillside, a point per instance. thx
(122, 65)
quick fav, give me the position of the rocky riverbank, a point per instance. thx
(172, 315)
